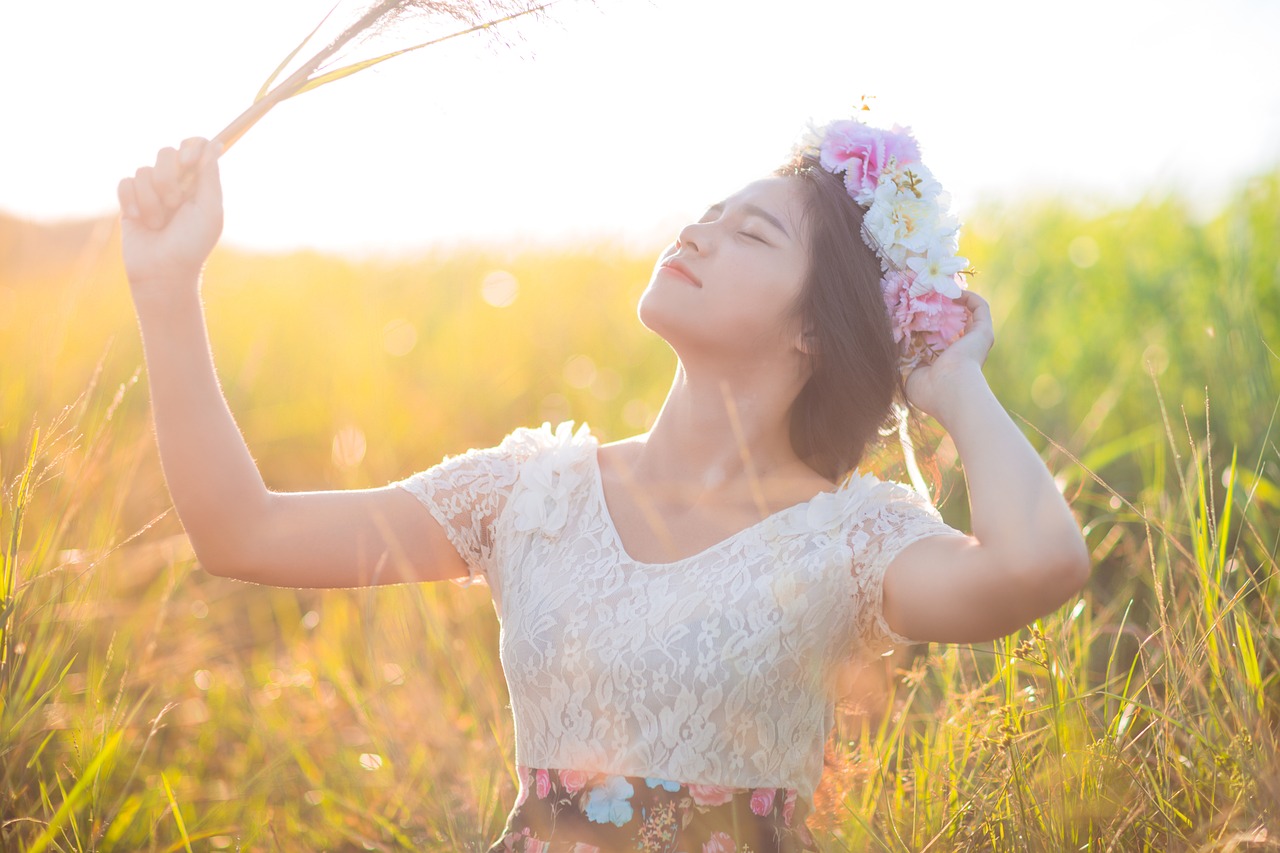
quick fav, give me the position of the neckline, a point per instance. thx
(607, 518)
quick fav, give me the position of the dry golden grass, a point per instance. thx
(149, 706)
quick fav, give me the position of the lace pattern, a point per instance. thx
(466, 494)
(719, 669)
(901, 518)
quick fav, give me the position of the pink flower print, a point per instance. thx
(544, 784)
(789, 806)
(710, 795)
(573, 780)
(720, 843)
(762, 800)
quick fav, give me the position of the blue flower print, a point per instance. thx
(608, 803)
(662, 783)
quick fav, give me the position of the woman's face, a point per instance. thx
(727, 285)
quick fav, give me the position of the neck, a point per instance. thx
(719, 433)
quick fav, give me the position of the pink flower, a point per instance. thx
(938, 318)
(573, 780)
(710, 795)
(762, 800)
(720, 843)
(789, 806)
(544, 784)
(860, 152)
(947, 320)
(899, 145)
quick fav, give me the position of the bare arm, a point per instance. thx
(238, 527)
(1026, 556)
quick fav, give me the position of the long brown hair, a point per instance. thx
(847, 404)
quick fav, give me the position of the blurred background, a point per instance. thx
(622, 118)
(422, 257)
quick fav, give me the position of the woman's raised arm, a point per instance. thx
(171, 219)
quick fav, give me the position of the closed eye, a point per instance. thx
(754, 237)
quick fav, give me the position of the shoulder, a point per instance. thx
(554, 466)
(526, 443)
(860, 500)
(880, 497)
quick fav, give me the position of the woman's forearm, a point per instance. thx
(213, 481)
(1016, 508)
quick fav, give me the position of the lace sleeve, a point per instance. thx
(466, 495)
(902, 517)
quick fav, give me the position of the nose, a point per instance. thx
(692, 235)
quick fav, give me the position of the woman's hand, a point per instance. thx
(171, 217)
(935, 387)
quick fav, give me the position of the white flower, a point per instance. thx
(903, 224)
(547, 481)
(826, 512)
(936, 271)
(905, 181)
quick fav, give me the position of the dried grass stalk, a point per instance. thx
(380, 17)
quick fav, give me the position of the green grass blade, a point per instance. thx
(1249, 662)
(72, 799)
(177, 812)
(1224, 526)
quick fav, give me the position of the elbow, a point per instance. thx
(1055, 575)
(1075, 563)
(224, 562)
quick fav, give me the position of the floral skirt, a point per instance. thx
(575, 811)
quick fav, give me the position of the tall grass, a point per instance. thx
(149, 706)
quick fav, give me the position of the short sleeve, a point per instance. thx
(897, 518)
(466, 495)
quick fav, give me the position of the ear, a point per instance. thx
(807, 343)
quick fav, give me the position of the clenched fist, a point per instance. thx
(171, 218)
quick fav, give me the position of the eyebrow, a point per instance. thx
(755, 210)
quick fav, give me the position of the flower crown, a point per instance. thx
(907, 225)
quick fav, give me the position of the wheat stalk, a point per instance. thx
(381, 16)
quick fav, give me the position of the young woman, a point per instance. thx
(676, 607)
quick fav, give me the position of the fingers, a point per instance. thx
(154, 194)
(167, 179)
(190, 150)
(209, 184)
(128, 199)
(973, 301)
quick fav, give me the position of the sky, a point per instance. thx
(623, 119)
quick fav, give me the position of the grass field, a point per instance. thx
(146, 705)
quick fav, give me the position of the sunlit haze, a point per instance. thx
(621, 119)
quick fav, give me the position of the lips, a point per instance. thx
(683, 271)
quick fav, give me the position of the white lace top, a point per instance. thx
(722, 668)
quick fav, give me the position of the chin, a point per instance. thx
(651, 312)
(689, 334)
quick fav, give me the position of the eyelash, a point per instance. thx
(748, 234)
